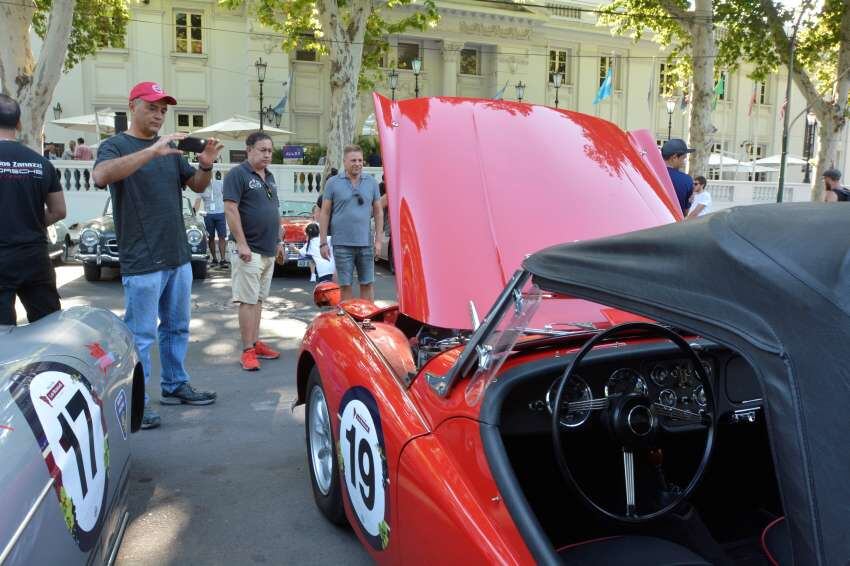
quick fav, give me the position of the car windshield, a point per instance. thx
(296, 208)
(187, 207)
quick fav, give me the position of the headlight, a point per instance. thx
(194, 236)
(89, 237)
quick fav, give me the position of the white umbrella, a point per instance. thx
(370, 128)
(103, 122)
(752, 168)
(237, 127)
(716, 160)
(777, 160)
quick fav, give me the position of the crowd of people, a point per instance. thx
(75, 150)
(145, 174)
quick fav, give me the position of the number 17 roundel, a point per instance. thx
(67, 419)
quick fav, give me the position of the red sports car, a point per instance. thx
(558, 430)
(294, 218)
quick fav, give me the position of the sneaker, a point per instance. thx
(188, 395)
(264, 352)
(224, 264)
(214, 263)
(312, 278)
(249, 360)
(150, 419)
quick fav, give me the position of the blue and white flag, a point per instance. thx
(280, 107)
(501, 92)
(605, 88)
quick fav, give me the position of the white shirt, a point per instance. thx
(323, 266)
(703, 198)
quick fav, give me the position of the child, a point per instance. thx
(324, 267)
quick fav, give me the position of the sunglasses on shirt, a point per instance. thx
(359, 198)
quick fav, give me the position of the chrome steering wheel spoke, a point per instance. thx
(629, 469)
(681, 415)
(591, 405)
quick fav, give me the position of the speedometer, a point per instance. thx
(624, 382)
(577, 393)
(660, 375)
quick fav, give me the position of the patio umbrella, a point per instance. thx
(777, 160)
(104, 123)
(716, 160)
(237, 127)
(752, 168)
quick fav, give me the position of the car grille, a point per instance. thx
(112, 247)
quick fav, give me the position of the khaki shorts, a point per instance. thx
(250, 280)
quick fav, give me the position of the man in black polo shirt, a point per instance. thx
(31, 199)
(146, 176)
(253, 215)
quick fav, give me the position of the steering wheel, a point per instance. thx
(634, 421)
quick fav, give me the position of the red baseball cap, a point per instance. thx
(151, 92)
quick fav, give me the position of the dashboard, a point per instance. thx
(669, 381)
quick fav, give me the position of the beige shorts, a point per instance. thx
(251, 280)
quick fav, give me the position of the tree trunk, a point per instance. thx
(346, 36)
(829, 140)
(31, 84)
(702, 87)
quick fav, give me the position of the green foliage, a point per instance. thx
(369, 145)
(312, 153)
(97, 24)
(300, 23)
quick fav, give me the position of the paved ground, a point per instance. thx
(227, 483)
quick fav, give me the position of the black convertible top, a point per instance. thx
(773, 283)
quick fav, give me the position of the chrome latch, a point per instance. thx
(745, 415)
(366, 324)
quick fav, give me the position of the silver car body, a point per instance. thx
(71, 392)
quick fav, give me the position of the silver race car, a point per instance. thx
(71, 392)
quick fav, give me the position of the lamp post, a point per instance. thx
(671, 107)
(57, 111)
(273, 117)
(393, 80)
(261, 76)
(811, 125)
(417, 68)
(520, 91)
(556, 82)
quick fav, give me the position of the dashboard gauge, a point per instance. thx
(577, 391)
(682, 377)
(699, 395)
(667, 398)
(624, 382)
(707, 367)
(661, 376)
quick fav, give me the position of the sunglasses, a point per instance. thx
(359, 198)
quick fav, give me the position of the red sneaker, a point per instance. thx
(249, 360)
(264, 352)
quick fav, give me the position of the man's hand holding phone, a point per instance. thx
(167, 145)
(210, 151)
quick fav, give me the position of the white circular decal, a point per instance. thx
(255, 184)
(67, 419)
(363, 464)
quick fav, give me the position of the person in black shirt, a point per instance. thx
(31, 199)
(146, 175)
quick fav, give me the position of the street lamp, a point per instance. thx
(393, 78)
(261, 76)
(556, 82)
(811, 125)
(671, 107)
(417, 68)
(272, 117)
(57, 111)
(520, 91)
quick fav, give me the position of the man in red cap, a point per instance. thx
(146, 175)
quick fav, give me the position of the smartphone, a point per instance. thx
(195, 145)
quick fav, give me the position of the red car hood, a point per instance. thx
(476, 185)
(292, 228)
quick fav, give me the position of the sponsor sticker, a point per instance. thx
(67, 420)
(255, 184)
(363, 464)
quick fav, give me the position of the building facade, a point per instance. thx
(204, 55)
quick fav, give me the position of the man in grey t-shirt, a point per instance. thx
(354, 199)
(214, 217)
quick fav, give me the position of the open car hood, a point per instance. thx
(474, 186)
(773, 283)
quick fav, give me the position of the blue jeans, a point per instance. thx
(349, 258)
(164, 295)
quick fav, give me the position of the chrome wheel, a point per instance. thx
(321, 440)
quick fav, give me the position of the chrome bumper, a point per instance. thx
(200, 257)
(99, 259)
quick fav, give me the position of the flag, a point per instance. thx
(752, 100)
(651, 85)
(719, 90)
(782, 110)
(501, 92)
(683, 104)
(605, 88)
(281, 106)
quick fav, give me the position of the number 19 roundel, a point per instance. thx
(67, 419)
(363, 464)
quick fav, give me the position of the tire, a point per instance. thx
(66, 250)
(329, 503)
(91, 271)
(199, 270)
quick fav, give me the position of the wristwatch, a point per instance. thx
(205, 169)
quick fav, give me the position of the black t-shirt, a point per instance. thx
(25, 179)
(147, 207)
(259, 210)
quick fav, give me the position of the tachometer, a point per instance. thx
(699, 395)
(660, 375)
(667, 397)
(624, 382)
(578, 394)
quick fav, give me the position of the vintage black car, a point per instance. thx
(59, 242)
(98, 245)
